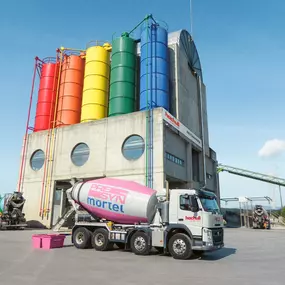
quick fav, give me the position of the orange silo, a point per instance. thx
(70, 90)
(47, 94)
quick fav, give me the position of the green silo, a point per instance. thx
(123, 76)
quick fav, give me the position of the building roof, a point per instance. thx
(185, 40)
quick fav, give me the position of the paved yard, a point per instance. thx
(250, 257)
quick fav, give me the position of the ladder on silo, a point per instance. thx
(150, 148)
(50, 147)
(149, 121)
(149, 126)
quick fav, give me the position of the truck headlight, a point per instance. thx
(208, 233)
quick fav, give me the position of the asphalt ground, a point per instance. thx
(255, 257)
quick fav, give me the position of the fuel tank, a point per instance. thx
(117, 200)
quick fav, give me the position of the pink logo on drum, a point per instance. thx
(109, 193)
(107, 197)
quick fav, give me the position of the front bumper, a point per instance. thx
(212, 239)
(207, 247)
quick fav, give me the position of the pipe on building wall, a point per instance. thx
(202, 130)
(24, 150)
(176, 58)
(167, 190)
(217, 183)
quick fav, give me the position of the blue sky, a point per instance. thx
(241, 46)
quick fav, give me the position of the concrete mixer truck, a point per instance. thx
(260, 219)
(179, 222)
(11, 211)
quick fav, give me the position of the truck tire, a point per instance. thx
(100, 240)
(139, 244)
(81, 238)
(180, 246)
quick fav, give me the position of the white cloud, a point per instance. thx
(271, 148)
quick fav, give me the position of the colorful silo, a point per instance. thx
(154, 68)
(47, 95)
(70, 90)
(96, 83)
(123, 76)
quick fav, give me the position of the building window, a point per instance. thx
(80, 154)
(37, 160)
(195, 165)
(133, 147)
(174, 159)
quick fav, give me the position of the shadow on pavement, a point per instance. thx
(222, 253)
(68, 245)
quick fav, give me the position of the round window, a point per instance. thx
(80, 154)
(37, 160)
(133, 147)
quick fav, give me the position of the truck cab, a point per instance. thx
(198, 214)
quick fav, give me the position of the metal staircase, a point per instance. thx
(63, 220)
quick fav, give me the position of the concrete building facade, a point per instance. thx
(116, 146)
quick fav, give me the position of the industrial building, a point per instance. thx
(148, 140)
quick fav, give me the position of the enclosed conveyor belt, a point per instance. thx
(250, 174)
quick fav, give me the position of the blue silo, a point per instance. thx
(154, 68)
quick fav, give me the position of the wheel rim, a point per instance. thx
(139, 243)
(179, 246)
(99, 239)
(79, 238)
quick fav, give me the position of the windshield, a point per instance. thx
(210, 205)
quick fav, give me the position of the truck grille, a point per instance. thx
(218, 236)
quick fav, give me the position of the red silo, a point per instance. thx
(70, 90)
(46, 95)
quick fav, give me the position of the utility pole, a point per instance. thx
(191, 19)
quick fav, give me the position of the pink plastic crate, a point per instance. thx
(48, 241)
(52, 241)
(37, 241)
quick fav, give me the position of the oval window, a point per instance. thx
(80, 154)
(37, 160)
(133, 147)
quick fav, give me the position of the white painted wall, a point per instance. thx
(104, 138)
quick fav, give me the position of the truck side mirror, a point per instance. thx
(194, 204)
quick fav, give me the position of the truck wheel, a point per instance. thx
(100, 240)
(81, 238)
(180, 246)
(139, 244)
